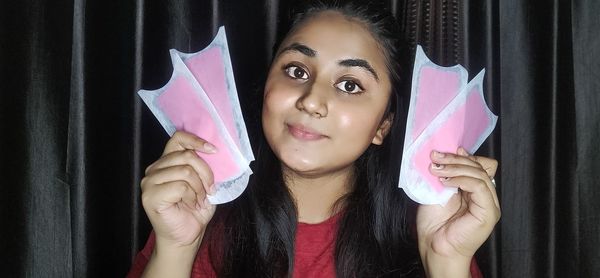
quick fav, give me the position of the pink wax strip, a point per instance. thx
(207, 67)
(436, 88)
(187, 112)
(445, 112)
(464, 127)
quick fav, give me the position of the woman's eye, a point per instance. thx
(296, 72)
(349, 86)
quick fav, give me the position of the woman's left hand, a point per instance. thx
(449, 235)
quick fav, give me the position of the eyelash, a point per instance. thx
(353, 92)
(290, 70)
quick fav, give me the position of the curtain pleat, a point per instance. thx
(272, 14)
(563, 200)
(586, 82)
(539, 231)
(76, 145)
(75, 138)
(136, 142)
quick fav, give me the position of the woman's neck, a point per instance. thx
(316, 197)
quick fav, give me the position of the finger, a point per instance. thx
(174, 173)
(450, 171)
(490, 165)
(456, 182)
(206, 205)
(182, 140)
(454, 170)
(186, 157)
(449, 158)
(480, 193)
(168, 194)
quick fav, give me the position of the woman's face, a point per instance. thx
(325, 96)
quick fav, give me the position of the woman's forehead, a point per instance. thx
(332, 33)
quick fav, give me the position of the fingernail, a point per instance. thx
(212, 189)
(210, 148)
(437, 166)
(438, 154)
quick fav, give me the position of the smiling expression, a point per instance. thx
(325, 95)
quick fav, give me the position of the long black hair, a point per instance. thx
(254, 235)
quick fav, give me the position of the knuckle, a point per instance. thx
(483, 176)
(483, 222)
(450, 156)
(494, 163)
(182, 186)
(179, 186)
(143, 183)
(190, 154)
(205, 169)
(477, 160)
(179, 170)
(177, 134)
(146, 199)
(487, 162)
(177, 137)
(173, 141)
(206, 174)
(481, 185)
(187, 171)
(147, 170)
(497, 215)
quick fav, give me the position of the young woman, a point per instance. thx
(323, 200)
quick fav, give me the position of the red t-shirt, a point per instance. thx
(315, 246)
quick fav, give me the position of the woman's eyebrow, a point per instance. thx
(300, 48)
(359, 63)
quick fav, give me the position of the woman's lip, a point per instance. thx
(304, 133)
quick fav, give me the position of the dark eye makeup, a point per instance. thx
(350, 86)
(295, 72)
(346, 85)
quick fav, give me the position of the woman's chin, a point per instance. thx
(302, 163)
(301, 166)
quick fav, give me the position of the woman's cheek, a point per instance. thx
(280, 95)
(346, 121)
(353, 119)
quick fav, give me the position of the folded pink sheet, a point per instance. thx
(445, 113)
(201, 98)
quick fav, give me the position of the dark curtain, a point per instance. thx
(75, 139)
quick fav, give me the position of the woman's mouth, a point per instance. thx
(304, 133)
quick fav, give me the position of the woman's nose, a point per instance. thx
(314, 100)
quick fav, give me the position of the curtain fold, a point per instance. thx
(135, 208)
(539, 234)
(76, 146)
(75, 138)
(586, 85)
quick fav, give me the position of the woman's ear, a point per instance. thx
(383, 130)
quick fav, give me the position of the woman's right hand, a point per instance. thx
(174, 192)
